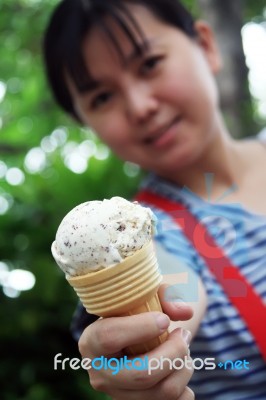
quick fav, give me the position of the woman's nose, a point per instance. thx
(140, 103)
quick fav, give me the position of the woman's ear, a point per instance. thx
(207, 42)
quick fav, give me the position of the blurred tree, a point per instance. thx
(38, 149)
(227, 18)
(47, 165)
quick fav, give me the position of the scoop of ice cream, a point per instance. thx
(98, 234)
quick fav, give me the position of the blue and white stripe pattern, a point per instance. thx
(222, 333)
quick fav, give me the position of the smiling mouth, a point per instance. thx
(158, 135)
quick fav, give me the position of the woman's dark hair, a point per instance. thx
(73, 19)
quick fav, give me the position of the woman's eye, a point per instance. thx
(150, 63)
(101, 99)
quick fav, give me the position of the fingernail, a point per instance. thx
(172, 297)
(170, 294)
(186, 335)
(162, 321)
(178, 303)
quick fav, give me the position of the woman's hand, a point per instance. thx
(108, 337)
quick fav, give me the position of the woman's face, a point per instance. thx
(158, 109)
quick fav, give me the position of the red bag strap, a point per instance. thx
(240, 292)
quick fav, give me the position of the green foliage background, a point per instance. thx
(35, 326)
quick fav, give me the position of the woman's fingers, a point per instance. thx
(171, 388)
(188, 394)
(158, 365)
(160, 378)
(110, 335)
(177, 310)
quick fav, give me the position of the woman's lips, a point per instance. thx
(166, 137)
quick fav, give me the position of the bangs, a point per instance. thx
(100, 17)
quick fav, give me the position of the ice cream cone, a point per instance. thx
(127, 288)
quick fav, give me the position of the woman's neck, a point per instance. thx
(222, 158)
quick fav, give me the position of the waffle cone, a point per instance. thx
(127, 288)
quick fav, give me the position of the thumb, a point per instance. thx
(175, 308)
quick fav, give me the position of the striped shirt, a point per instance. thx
(222, 334)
